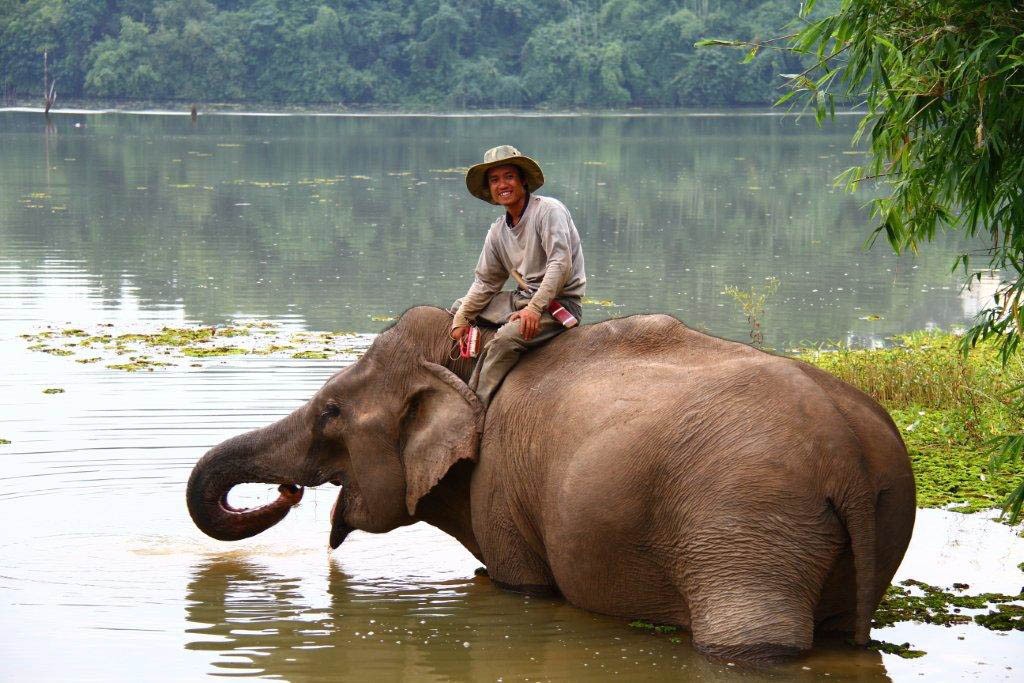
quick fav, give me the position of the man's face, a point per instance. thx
(506, 185)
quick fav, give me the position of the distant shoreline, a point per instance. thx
(162, 109)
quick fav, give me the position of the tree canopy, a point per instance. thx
(499, 53)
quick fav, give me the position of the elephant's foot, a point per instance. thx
(756, 632)
(757, 653)
(536, 590)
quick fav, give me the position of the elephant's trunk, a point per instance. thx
(255, 457)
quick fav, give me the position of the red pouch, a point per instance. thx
(469, 345)
(562, 315)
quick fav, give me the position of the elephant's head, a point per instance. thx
(386, 429)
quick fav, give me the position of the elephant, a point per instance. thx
(633, 467)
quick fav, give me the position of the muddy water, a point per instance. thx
(104, 577)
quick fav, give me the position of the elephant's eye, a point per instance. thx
(330, 412)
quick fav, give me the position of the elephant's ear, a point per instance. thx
(442, 426)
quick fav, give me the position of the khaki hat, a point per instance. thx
(502, 155)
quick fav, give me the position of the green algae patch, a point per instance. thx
(53, 390)
(180, 343)
(208, 352)
(172, 336)
(53, 351)
(45, 334)
(135, 364)
(4, 442)
(312, 355)
(1005, 618)
(641, 625)
(273, 348)
(916, 601)
(93, 340)
(232, 332)
(905, 650)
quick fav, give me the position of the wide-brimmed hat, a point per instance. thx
(502, 155)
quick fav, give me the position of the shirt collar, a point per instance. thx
(508, 216)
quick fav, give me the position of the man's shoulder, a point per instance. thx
(548, 204)
(496, 225)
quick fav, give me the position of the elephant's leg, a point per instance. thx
(753, 587)
(510, 546)
(514, 566)
(742, 622)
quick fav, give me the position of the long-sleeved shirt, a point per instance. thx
(544, 247)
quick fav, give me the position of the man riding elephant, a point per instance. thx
(536, 243)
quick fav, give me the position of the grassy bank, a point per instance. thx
(947, 407)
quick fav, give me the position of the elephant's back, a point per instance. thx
(623, 369)
(696, 405)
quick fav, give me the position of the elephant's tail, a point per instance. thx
(857, 511)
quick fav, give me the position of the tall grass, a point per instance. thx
(924, 369)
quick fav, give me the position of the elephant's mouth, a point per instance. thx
(339, 529)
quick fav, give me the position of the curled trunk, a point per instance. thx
(249, 458)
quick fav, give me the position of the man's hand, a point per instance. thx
(458, 333)
(529, 321)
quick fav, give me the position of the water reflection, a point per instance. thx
(255, 621)
(341, 221)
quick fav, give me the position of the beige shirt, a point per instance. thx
(544, 247)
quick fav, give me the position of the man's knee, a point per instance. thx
(507, 339)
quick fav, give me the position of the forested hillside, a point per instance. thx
(444, 53)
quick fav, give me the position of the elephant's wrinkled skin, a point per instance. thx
(635, 466)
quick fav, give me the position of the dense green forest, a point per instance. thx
(443, 53)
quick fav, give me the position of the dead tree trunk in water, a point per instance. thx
(49, 89)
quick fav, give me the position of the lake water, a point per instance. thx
(337, 224)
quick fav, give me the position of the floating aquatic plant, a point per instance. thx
(312, 355)
(207, 352)
(905, 650)
(916, 601)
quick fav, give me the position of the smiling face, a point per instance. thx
(506, 185)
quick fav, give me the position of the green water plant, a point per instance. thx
(916, 601)
(906, 651)
(210, 351)
(1005, 618)
(137, 363)
(258, 337)
(653, 628)
(312, 355)
(53, 390)
(752, 302)
(4, 442)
